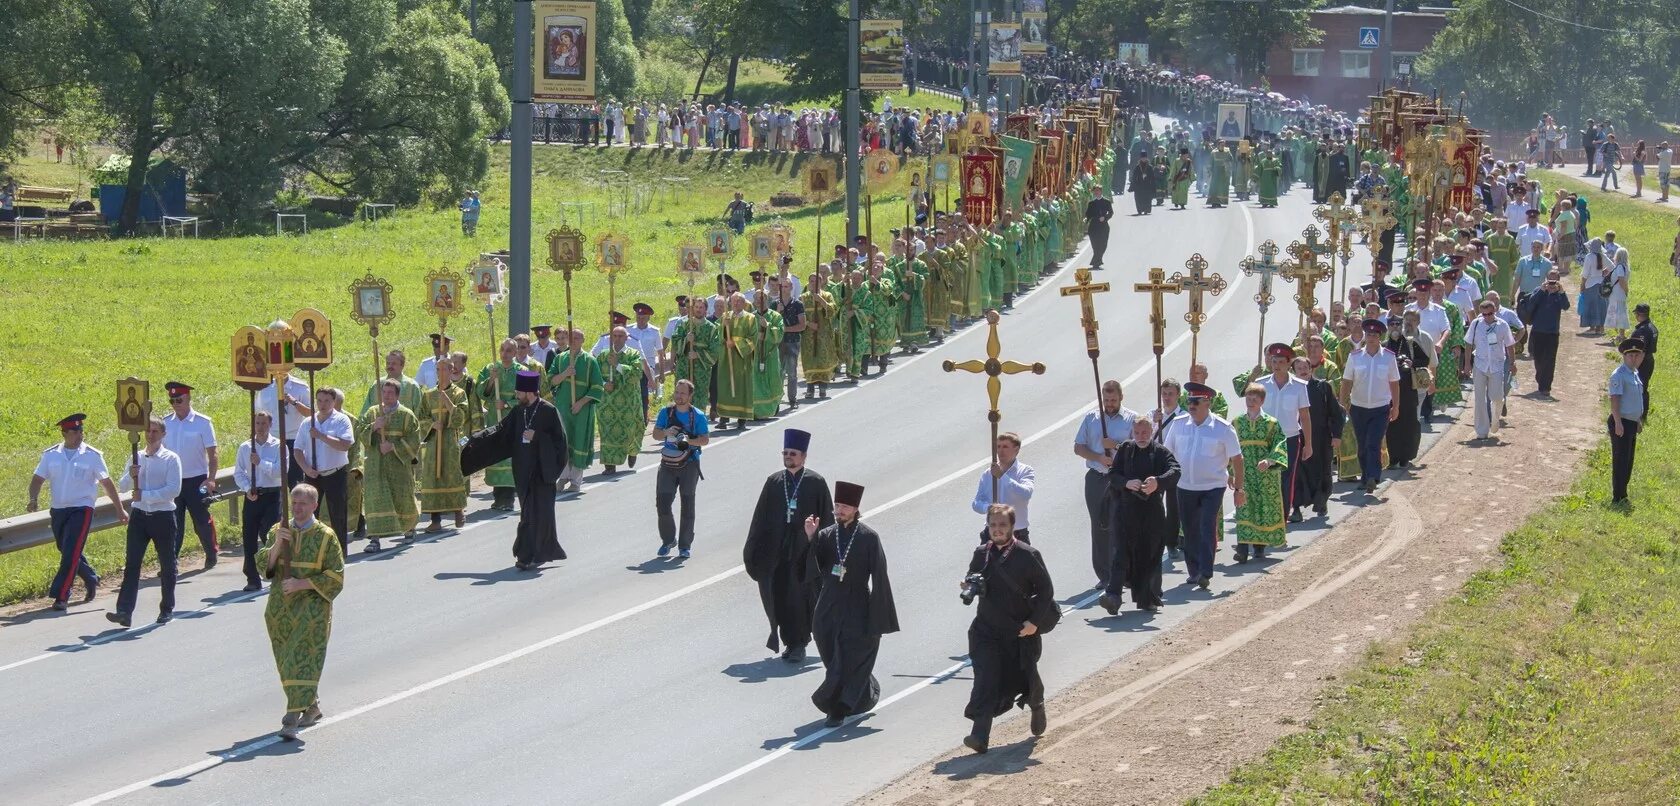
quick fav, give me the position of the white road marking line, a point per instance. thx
(251, 747)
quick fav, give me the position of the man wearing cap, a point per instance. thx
(577, 385)
(322, 454)
(619, 414)
(1099, 435)
(1008, 481)
(1532, 231)
(544, 347)
(1005, 640)
(530, 438)
(854, 603)
(443, 424)
(75, 471)
(1371, 393)
(1210, 460)
(774, 554)
(668, 354)
(696, 346)
(1492, 357)
(256, 472)
(390, 436)
(192, 438)
(426, 376)
(1286, 400)
(1627, 415)
(153, 482)
(646, 339)
(683, 430)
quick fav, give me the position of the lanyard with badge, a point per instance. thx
(842, 551)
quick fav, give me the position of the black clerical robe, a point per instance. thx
(775, 551)
(1097, 213)
(1405, 433)
(1312, 480)
(854, 609)
(1140, 525)
(537, 465)
(1143, 185)
(1340, 171)
(1018, 590)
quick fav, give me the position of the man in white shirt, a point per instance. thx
(542, 349)
(1014, 480)
(1492, 357)
(192, 438)
(426, 376)
(75, 471)
(1100, 435)
(256, 472)
(1517, 208)
(1286, 400)
(1209, 459)
(647, 338)
(1462, 291)
(322, 454)
(295, 396)
(153, 482)
(1371, 394)
(1531, 230)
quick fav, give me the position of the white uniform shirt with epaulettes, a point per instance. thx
(189, 439)
(73, 476)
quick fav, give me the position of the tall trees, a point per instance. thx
(1219, 33)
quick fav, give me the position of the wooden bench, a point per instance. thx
(29, 194)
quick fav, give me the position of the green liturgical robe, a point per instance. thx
(1183, 174)
(619, 415)
(852, 328)
(443, 423)
(495, 392)
(1503, 249)
(388, 475)
(300, 623)
(1015, 238)
(1267, 171)
(740, 357)
(883, 316)
(768, 381)
(408, 394)
(818, 349)
(935, 296)
(912, 308)
(697, 345)
(1219, 178)
(576, 397)
(1260, 518)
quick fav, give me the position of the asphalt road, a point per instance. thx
(615, 677)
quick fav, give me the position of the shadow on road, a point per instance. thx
(509, 574)
(1005, 760)
(770, 669)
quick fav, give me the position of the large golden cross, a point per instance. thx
(1083, 288)
(993, 368)
(1303, 268)
(1266, 268)
(1197, 282)
(1157, 286)
(1378, 216)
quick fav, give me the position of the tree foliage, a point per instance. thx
(1215, 33)
(1591, 58)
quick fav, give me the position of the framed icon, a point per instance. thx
(943, 168)
(781, 239)
(250, 358)
(565, 249)
(443, 293)
(612, 252)
(819, 179)
(314, 340)
(720, 242)
(134, 404)
(370, 299)
(486, 279)
(691, 259)
(761, 247)
(879, 168)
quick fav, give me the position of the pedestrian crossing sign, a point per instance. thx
(1369, 37)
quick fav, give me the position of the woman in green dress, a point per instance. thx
(1260, 519)
(1183, 174)
(306, 565)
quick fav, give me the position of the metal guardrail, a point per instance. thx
(35, 528)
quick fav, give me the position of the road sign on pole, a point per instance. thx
(1370, 37)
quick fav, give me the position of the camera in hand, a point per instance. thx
(973, 585)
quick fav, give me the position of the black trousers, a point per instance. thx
(1098, 233)
(335, 488)
(191, 502)
(1100, 506)
(1645, 371)
(1621, 456)
(259, 516)
(294, 471)
(666, 489)
(155, 529)
(1543, 347)
(70, 526)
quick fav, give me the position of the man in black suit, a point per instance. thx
(1312, 483)
(531, 436)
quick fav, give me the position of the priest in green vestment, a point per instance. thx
(390, 436)
(883, 314)
(1219, 176)
(1502, 248)
(852, 328)
(444, 423)
(818, 349)
(1015, 239)
(1182, 175)
(574, 377)
(408, 392)
(740, 357)
(768, 379)
(1260, 520)
(619, 414)
(912, 291)
(1267, 169)
(306, 564)
(696, 347)
(494, 390)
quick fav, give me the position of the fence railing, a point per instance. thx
(35, 528)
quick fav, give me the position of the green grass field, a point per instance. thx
(76, 316)
(1549, 680)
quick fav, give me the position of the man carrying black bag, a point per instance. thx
(1017, 606)
(531, 436)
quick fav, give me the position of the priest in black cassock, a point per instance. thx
(1143, 185)
(1017, 606)
(531, 436)
(854, 606)
(1138, 480)
(1312, 479)
(1097, 213)
(775, 550)
(1406, 432)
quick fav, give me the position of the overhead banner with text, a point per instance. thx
(1003, 49)
(564, 63)
(880, 54)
